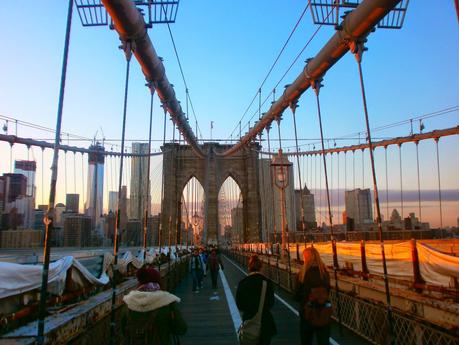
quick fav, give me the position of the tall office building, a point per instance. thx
(2, 193)
(359, 208)
(308, 207)
(139, 198)
(95, 198)
(77, 231)
(26, 204)
(72, 203)
(123, 208)
(15, 186)
(272, 218)
(112, 201)
(28, 169)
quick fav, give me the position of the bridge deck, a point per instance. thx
(208, 313)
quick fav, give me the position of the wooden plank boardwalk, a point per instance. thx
(209, 318)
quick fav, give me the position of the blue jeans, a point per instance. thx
(307, 332)
(196, 279)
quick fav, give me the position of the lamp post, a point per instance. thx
(280, 165)
(195, 220)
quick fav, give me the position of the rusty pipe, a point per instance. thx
(130, 25)
(355, 26)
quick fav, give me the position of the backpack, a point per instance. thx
(317, 309)
(140, 331)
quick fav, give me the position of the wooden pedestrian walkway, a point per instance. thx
(210, 320)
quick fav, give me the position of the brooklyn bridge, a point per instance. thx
(296, 137)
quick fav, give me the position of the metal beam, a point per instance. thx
(355, 26)
(131, 26)
(440, 133)
(12, 139)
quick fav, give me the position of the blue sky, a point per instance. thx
(226, 49)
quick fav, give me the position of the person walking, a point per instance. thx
(248, 295)
(214, 263)
(312, 294)
(196, 269)
(152, 316)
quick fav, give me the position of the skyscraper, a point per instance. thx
(123, 208)
(359, 208)
(309, 209)
(28, 169)
(72, 203)
(94, 202)
(112, 201)
(77, 231)
(139, 198)
(15, 186)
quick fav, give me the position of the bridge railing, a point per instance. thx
(364, 313)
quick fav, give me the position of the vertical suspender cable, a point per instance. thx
(162, 220)
(147, 182)
(353, 169)
(127, 46)
(272, 187)
(344, 194)
(82, 179)
(419, 181)
(65, 172)
(363, 168)
(439, 187)
(43, 175)
(293, 106)
(74, 173)
(358, 51)
(338, 174)
(316, 84)
(48, 219)
(401, 178)
(387, 184)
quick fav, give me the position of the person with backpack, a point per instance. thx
(214, 263)
(248, 300)
(152, 316)
(312, 294)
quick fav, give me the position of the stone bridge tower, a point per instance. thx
(180, 164)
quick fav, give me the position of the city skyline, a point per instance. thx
(229, 100)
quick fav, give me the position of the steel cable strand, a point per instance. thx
(316, 85)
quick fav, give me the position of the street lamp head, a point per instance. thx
(280, 165)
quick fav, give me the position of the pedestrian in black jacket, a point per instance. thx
(248, 297)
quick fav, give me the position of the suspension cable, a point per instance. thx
(49, 217)
(439, 187)
(293, 107)
(147, 180)
(273, 65)
(316, 85)
(74, 173)
(363, 168)
(358, 48)
(387, 183)
(127, 47)
(82, 178)
(183, 78)
(272, 187)
(419, 181)
(353, 169)
(338, 175)
(401, 178)
(42, 176)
